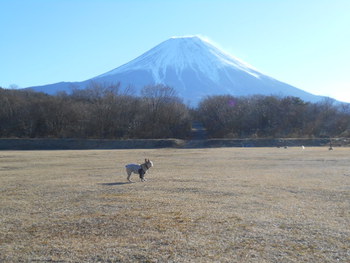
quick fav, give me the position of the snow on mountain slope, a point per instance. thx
(183, 53)
(195, 69)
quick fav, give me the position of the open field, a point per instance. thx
(198, 205)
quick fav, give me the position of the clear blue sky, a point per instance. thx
(305, 43)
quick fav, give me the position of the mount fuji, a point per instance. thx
(194, 68)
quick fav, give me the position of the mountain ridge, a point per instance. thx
(194, 68)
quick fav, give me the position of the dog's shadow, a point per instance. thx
(114, 184)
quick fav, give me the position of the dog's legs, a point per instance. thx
(142, 175)
(129, 174)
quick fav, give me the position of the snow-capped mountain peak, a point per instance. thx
(195, 68)
(181, 53)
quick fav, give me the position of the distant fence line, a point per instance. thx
(81, 144)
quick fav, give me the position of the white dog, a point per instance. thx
(140, 169)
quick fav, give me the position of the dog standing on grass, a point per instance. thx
(140, 169)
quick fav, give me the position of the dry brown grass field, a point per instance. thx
(198, 205)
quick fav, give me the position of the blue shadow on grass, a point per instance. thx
(116, 183)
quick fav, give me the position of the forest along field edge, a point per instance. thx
(197, 205)
(104, 111)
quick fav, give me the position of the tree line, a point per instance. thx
(95, 112)
(270, 116)
(107, 111)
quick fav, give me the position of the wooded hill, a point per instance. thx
(109, 113)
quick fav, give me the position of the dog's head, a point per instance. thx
(148, 163)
